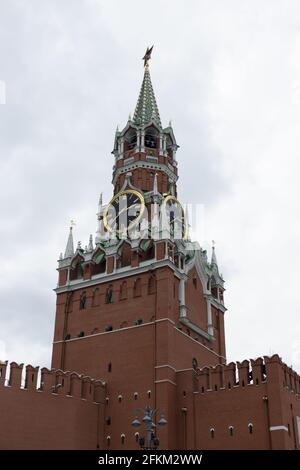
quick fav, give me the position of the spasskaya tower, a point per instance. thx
(141, 303)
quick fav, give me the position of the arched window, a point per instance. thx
(230, 430)
(135, 395)
(76, 271)
(212, 433)
(81, 334)
(108, 441)
(98, 263)
(152, 284)
(151, 137)
(82, 301)
(147, 250)
(137, 435)
(69, 303)
(130, 140)
(250, 427)
(123, 291)
(109, 295)
(137, 288)
(96, 297)
(124, 255)
(195, 281)
(214, 288)
(109, 367)
(122, 438)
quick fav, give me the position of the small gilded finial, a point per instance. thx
(147, 56)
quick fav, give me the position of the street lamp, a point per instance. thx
(152, 442)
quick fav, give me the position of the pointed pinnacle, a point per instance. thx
(69, 252)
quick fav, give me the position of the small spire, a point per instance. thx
(170, 123)
(79, 246)
(155, 185)
(129, 117)
(100, 203)
(91, 247)
(69, 252)
(187, 222)
(213, 255)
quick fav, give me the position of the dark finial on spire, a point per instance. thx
(147, 55)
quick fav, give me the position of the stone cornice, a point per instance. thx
(144, 164)
(119, 274)
(215, 302)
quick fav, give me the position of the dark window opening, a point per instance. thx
(109, 295)
(82, 302)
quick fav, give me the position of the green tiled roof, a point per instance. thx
(146, 109)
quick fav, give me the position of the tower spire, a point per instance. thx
(69, 252)
(146, 109)
(213, 255)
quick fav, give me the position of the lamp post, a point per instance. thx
(151, 442)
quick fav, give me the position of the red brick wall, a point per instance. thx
(41, 419)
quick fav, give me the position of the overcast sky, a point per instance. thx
(227, 74)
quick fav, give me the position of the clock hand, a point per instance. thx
(124, 209)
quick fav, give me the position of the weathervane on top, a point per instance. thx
(147, 56)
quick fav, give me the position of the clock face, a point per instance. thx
(176, 218)
(124, 211)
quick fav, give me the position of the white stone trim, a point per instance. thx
(119, 274)
(165, 380)
(166, 365)
(113, 331)
(279, 428)
(200, 344)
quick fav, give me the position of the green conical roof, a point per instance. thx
(146, 109)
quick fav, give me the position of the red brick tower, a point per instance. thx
(144, 303)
